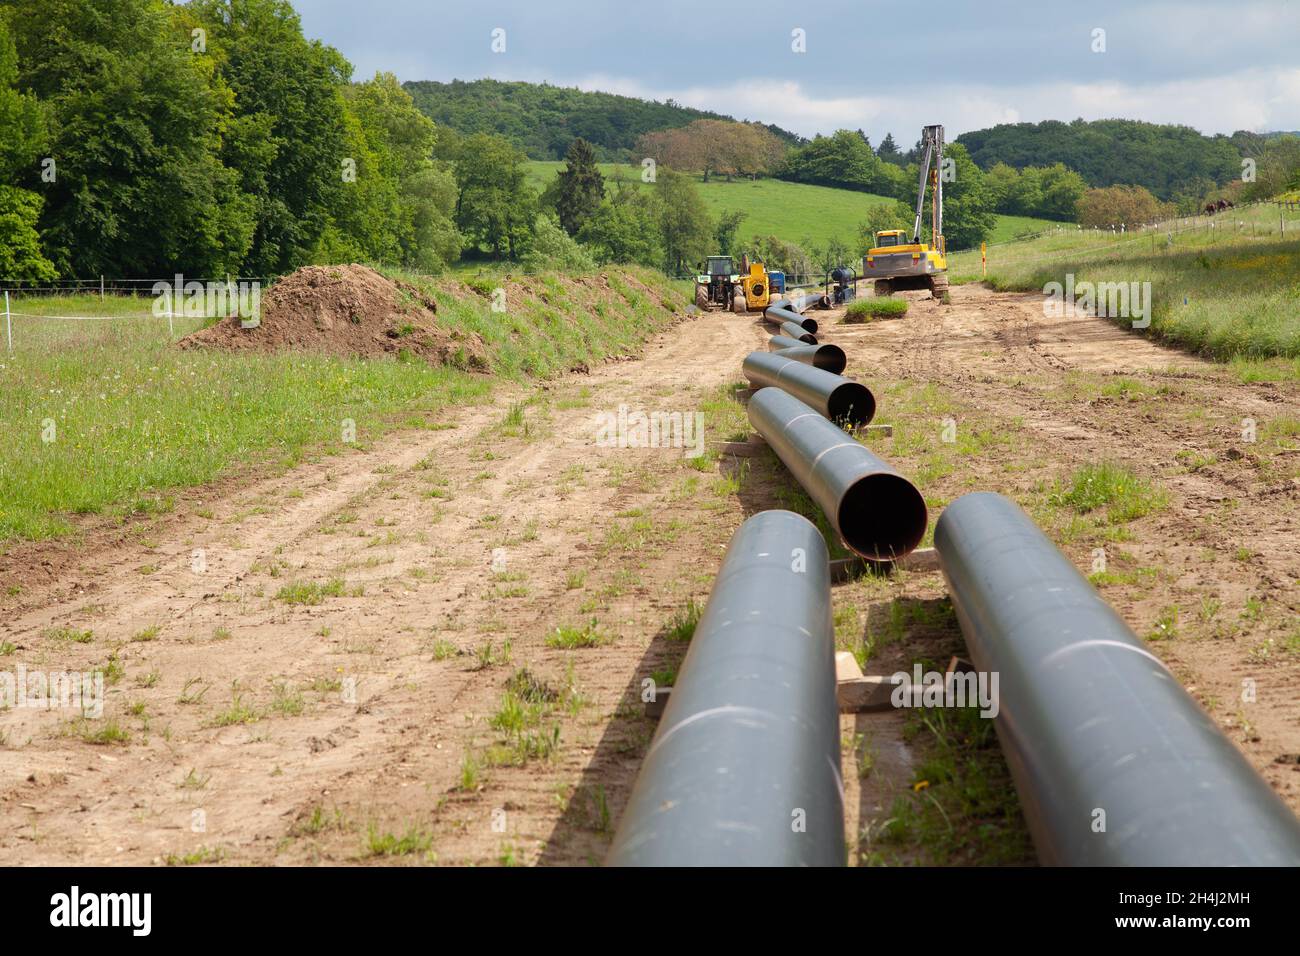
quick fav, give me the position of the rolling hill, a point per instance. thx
(542, 119)
(795, 212)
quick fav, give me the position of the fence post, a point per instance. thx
(9, 329)
(101, 289)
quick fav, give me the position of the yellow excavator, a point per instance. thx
(898, 261)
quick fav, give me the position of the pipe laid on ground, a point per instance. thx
(745, 767)
(816, 299)
(790, 330)
(1090, 721)
(836, 397)
(876, 511)
(781, 311)
(829, 358)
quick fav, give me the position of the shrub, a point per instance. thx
(864, 310)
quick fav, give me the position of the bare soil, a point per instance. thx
(346, 310)
(360, 729)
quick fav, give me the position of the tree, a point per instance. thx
(881, 216)
(136, 126)
(551, 247)
(684, 222)
(1277, 168)
(709, 146)
(494, 205)
(580, 187)
(844, 159)
(968, 216)
(22, 135)
(403, 201)
(1115, 206)
(292, 145)
(724, 233)
(626, 228)
(888, 152)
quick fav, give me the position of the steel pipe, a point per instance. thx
(778, 342)
(745, 767)
(829, 358)
(813, 300)
(836, 397)
(790, 330)
(782, 311)
(877, 512)
(1115, 764)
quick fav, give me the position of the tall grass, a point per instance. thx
(1227, 292)
(109, 417)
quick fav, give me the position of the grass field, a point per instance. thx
(109, 416)
(1225, 287)
(794, 212)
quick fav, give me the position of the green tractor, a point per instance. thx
(715, 288)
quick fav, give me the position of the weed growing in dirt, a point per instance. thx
(312, 592)
(383, 843)
(68, 634)
(1123, 494)
(681, 626)
(200, 855)
(569, 637)
(864, 310)
(962, 809)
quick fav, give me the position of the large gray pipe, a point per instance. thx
(877, 512)
(816, 299)
(836, 397)
(782, 311)
(829, 358)
(790, 330)
(1090, 721)
(745, 767)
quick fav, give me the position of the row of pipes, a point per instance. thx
(1114, 763)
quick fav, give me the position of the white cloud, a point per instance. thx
(1254, 99)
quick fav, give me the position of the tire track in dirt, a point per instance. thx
(294, 729)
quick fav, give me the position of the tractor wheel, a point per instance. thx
(939, 285)
(702, 298)
(883, 287)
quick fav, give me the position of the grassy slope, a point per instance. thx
(133, 417)
(1228, 292)
(794, 212)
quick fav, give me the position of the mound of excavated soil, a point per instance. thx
(347, 310)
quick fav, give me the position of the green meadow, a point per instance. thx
(793, 212)
(1227, 288)
(110, 417)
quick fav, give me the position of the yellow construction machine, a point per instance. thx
(898, 261)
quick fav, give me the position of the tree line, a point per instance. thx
(543, 120)
(209, 138)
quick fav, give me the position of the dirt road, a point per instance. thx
(433, 649)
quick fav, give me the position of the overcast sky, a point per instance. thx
(879, 65)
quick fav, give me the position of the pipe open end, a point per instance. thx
(851, 402)
(831, 358)
(809, 325)
(882, 517)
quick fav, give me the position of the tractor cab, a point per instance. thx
(891, 237)
(714, 285)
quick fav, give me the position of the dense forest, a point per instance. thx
(543, 120)
(1169, 161)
